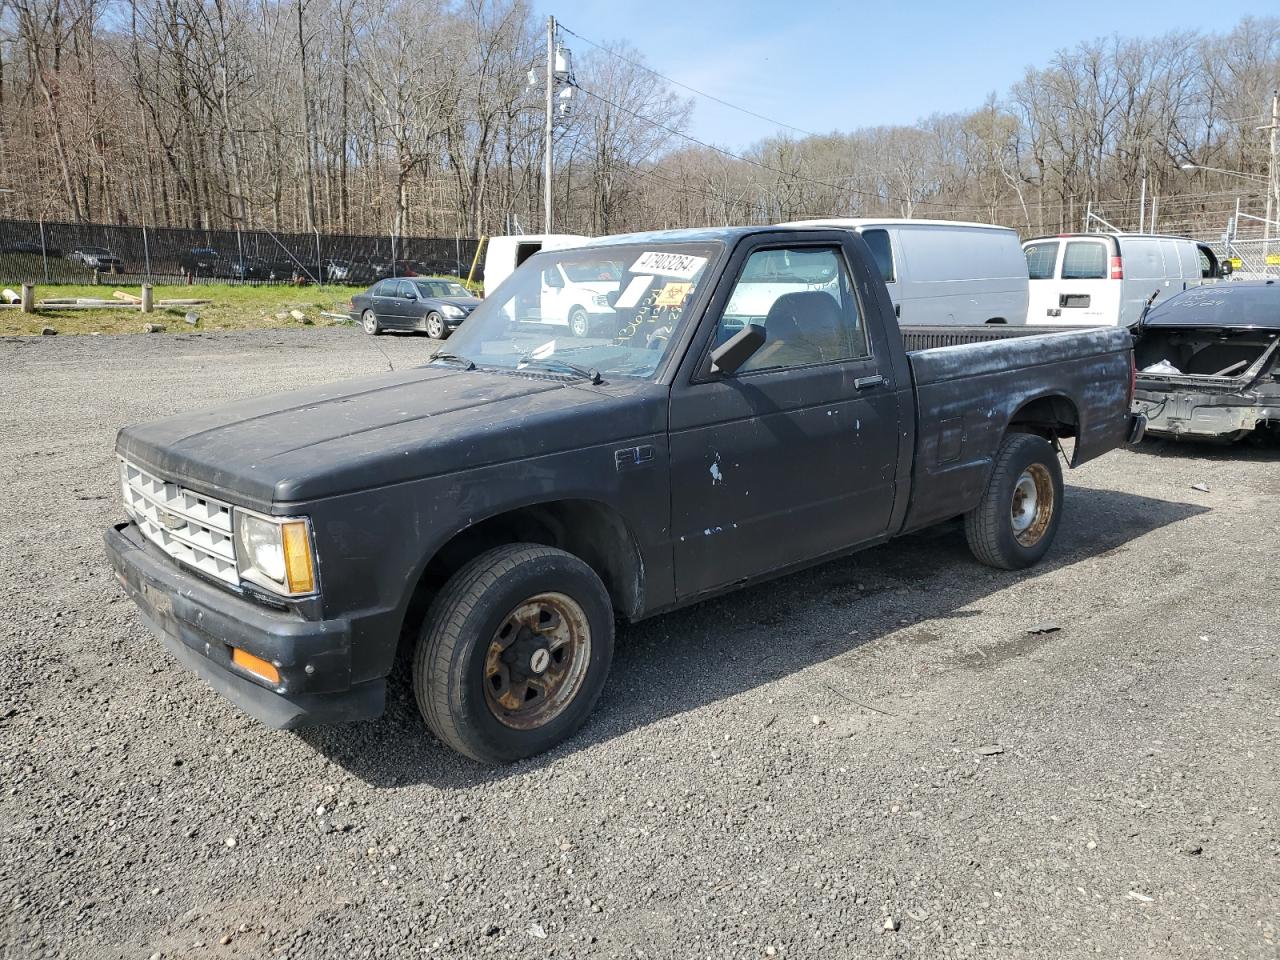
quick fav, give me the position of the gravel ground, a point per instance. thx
(878, 743)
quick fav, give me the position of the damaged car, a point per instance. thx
(1208, 362)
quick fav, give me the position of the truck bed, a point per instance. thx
(971, 389)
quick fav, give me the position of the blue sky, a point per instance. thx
(825, 65)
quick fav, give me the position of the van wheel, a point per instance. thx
(514, 653)
(579, 322)
(1015, 522)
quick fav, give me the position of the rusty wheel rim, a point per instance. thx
(1031, 507)
(537, 661)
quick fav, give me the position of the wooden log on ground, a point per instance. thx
(127, 297)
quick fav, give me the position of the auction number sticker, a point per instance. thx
(679, 265)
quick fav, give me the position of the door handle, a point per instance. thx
(862, 383)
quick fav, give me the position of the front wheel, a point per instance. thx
(435, 326)
(579, 322)
(1014, 523)
(514, 652)
(369, 321)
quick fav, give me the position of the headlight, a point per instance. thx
(275, 553)
(601, 299)
(449, 310)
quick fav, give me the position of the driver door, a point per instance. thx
(553, 308)
(795, 455)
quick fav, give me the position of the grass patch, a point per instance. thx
(231, 307)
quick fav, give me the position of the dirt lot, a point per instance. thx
(771, 774)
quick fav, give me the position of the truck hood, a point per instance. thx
(374, 431)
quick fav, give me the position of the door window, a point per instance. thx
(385, 288)
(882, 251)
(1084, 260)
(803, 299)
(406, 291)
(1041, 259)
(551, 278)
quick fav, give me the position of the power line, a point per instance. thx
(685, 86)
(884, 198)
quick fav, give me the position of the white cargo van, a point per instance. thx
(943, 271)
(1105, 279)
(503, 254)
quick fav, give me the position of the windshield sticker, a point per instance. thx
(635, 290)
(673, 294)
(680, 265)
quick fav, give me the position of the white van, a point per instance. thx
(1105, 279)
(943, 271)
(503, 254)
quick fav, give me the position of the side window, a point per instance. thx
(551, 278)
(1208, 269)
(385, 288)
(1041, 259)
(882, 250)
(406, 290)
(804, 300)
(1084, 260)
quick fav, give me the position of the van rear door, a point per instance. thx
(1042, 271)
(1082, 291)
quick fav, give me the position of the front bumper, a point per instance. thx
(201, 623)
(1203, 415)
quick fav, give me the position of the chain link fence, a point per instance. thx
(45, 252)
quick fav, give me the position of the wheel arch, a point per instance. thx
(591, 530)
(1049, 415)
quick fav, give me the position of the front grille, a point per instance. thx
(193, 529)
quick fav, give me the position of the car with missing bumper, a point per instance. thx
(1209, 362)
(493, 513)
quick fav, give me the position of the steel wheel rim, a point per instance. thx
(537, 661)
(578, 324)
(370, 323)
(435, 326)
(1031, 506)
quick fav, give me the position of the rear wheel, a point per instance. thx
(369, 321)
(1015, 522)
(579, 322)
(435, 326)
(514, 653)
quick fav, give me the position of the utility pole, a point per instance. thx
(1273, 185)
(547, 133)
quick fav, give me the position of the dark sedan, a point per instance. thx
(435, 305)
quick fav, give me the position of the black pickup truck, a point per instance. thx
(749, 409)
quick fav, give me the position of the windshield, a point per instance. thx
(1220, 305)
(620, 327)
(442, 288)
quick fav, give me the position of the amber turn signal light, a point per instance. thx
(262, 669)
(299, 572)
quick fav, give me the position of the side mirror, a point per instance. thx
(611, 298)
(1225, 268)
(737, 350)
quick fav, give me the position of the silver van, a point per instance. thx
(1105, 279)
(945, 272)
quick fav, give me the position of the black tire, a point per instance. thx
(437, 329)
(579, 322)
(1015, 522)
(462, 627)
(369, 323)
